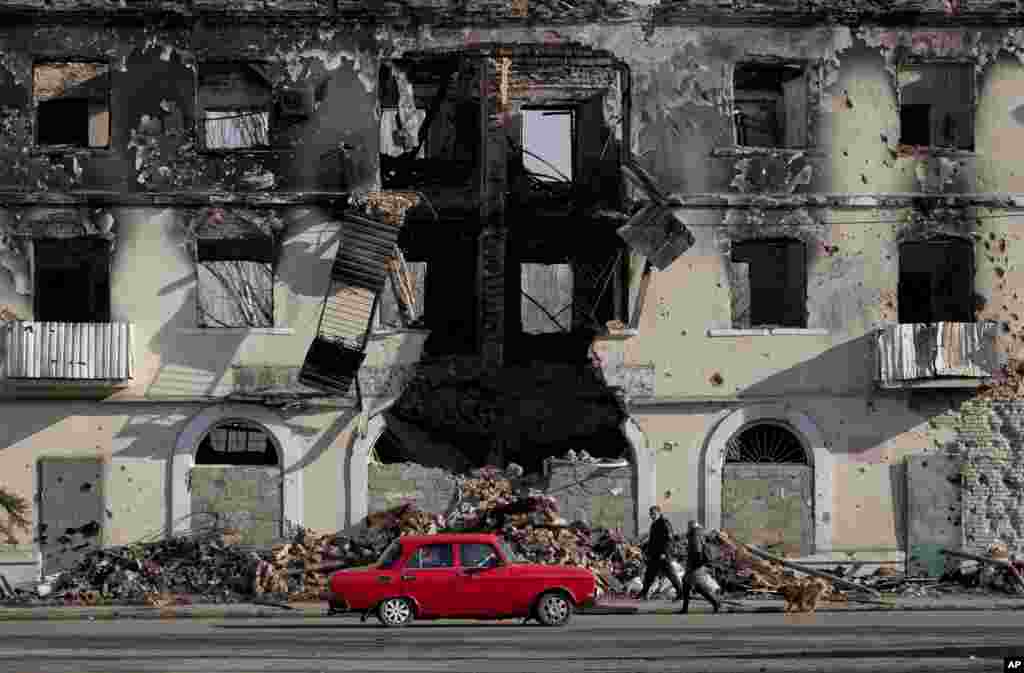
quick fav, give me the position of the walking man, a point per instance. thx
(696, 558)
(658, 561)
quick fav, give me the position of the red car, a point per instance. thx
(459, 575)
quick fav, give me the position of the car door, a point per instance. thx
(429, 578)
(481, 581)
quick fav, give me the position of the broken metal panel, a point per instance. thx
(56, 350)
(658, 233)
(916, 351)
(366, 248)
(331, 366)
(401, 302)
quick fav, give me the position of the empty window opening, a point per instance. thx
(770, 105)
(235, 282)
(765, 443)
(397, 138)
(72, 280)
(547, 141)
(937, 105)
(547, 298)
(72, 104)
(235, 101)
(600, 289)
(768, 280)
(236, 443)
(936, 282)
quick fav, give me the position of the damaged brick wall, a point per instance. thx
(986, 437)
(602, 497)
(431, 489)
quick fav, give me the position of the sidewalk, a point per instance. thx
(612, 607)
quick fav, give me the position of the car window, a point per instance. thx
(510, 553)
(391, 555)
(433, 556)
(478, 555)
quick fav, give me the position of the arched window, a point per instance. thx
(765, 443)
(236, 443)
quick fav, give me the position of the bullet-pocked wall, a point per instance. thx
(827, 168)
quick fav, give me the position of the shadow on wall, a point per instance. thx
(308, 254)
(840, 369)
(883, 416)
(191, 365)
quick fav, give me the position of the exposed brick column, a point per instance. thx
(493, 237)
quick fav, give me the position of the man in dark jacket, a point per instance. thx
(658, 561)
(696, 557)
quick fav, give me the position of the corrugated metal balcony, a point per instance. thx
(68, 350)
(934, 355)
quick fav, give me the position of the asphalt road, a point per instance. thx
(726, 643)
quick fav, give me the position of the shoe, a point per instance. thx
(683, 612)
(718, 606)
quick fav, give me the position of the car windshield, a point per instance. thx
(509, 552)
(390, 555)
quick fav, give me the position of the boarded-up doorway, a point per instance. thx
(934, 512)
(71, 510)
(237, 483)
(768, 490)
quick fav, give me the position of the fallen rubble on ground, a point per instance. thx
(212, 566)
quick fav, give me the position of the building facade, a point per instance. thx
(259, 257)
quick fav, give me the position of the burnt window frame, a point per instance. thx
(38, 297)
(237, 425)
(965, 308)
(199, 124)
(909, 62)
(775, 241)
(807, 67)
(47, 60)
(271, 259)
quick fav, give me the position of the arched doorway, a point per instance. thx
(236, 482)
(768, 488)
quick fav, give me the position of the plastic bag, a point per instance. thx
(703, 579)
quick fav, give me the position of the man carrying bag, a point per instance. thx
(696, 561)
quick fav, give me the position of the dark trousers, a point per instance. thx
(688, 584)
(660, 566)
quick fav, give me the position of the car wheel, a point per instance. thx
(395, 612)
(553, 609)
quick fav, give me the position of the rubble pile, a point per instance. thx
(210, 567)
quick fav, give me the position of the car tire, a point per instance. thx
(395, 612)
(553, 609)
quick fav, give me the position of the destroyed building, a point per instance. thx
(281, 263)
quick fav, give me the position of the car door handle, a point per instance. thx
(408, 577)
(383, 579)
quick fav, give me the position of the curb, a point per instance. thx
(312, 611)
